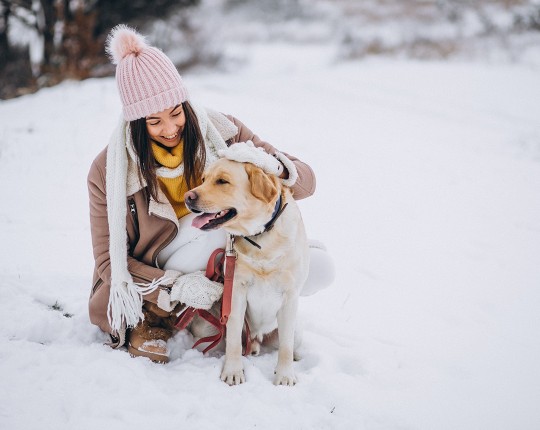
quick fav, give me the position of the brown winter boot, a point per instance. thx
(149, 337)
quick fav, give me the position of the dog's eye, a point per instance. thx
(221, 181)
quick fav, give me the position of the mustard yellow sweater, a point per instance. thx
(174, 188)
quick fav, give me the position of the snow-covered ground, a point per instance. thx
(428, 199)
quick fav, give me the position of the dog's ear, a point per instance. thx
(263, 186)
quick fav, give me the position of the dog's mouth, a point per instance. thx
(211, 221)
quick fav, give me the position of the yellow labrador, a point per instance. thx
(242, 199)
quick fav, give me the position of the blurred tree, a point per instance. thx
(73, 33)
(4, 26)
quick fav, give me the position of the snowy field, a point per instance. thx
(428, 198)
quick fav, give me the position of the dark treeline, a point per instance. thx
(73, 35)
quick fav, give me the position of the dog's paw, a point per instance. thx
(285, 377)
(233, 378)
(233, 374)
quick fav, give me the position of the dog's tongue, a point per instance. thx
(202, 220)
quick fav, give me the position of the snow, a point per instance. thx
(428, 184)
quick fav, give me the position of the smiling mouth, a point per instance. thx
(212, 220)
(171, 137)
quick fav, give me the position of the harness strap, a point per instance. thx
(215, 339)
(220, 268)
(214, 267)
(185, 318)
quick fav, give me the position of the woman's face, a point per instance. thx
(166, 127)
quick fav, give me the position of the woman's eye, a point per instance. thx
(153, 123)
(221, 181)
(178, 114)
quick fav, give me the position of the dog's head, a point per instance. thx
(239, 197)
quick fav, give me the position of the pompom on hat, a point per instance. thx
(147, 80)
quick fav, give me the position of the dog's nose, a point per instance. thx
(190, 197)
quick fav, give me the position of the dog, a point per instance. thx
(242, 199)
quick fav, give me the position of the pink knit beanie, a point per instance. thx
(147, 80)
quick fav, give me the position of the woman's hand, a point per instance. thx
(247, 152)
(196, 290)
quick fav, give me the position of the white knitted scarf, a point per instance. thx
(125, 299)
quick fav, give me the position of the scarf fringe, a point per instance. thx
(125, 302)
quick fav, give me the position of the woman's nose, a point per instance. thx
(169, 128)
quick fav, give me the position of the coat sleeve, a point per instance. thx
(305, 184)
(99, 227)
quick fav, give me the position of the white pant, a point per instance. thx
(321, 269)
(191, 249)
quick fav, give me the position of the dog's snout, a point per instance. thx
(190, 197)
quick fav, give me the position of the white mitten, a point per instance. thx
(247, 152)
(196, 290)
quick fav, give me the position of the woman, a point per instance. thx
(137, 185)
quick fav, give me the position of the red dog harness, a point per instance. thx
(220, 268)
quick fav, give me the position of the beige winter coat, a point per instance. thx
(149, 232)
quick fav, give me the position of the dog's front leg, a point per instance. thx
(286, 326)
(233, 369)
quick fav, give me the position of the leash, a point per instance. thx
(228, 275)
(187, 316)
(220, 268)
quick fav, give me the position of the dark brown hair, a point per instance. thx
(194, 153)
